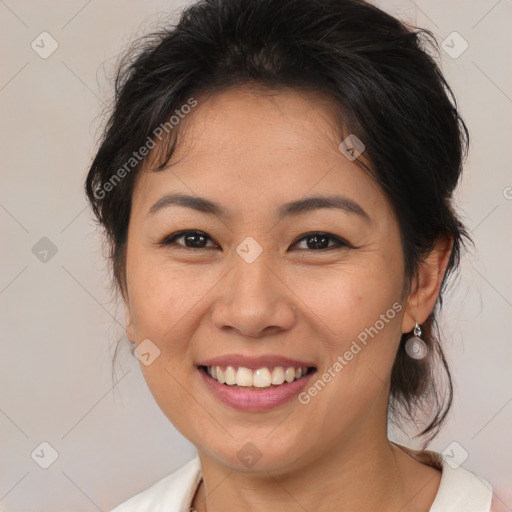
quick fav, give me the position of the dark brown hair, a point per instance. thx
(381, 76)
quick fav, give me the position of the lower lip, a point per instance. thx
(255, 401)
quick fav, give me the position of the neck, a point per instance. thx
(363, 474)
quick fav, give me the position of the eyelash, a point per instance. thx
(340, 243)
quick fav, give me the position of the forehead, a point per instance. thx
(242, 143)
(245, 119)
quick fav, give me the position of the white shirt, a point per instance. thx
(459, 490)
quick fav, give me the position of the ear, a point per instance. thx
(426, 284)
(128, 322)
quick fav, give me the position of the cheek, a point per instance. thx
(162, 296)
(345, 302)
(165, 302)
(357, 316)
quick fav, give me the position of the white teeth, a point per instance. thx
(230, 376)
(260, 378)
(243, 377)
(289, 374)
(278, 375)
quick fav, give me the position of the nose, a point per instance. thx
(254, 300)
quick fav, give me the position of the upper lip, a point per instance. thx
(253, 363)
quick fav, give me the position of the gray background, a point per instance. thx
(59, 324)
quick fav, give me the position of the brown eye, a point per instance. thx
(192, 239)
(322, 241)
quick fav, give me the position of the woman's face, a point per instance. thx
(257, 289)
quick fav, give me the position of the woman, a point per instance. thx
(275, 182)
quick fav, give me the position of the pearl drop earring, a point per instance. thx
(415, 347)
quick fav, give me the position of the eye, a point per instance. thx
(321, 241)
(192, 239)
(195, 239)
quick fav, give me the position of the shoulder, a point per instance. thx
(173, 493)
(460, 490)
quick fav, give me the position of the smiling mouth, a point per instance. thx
(239, 377)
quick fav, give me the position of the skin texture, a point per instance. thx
(252, 152)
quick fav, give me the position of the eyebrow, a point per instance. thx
(291, 208)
